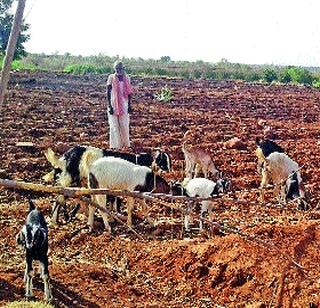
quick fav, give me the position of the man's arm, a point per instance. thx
(109, 88)
(129, 104)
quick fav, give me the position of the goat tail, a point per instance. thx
(31, 205)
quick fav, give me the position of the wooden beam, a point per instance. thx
(11, 47)
(77, 191)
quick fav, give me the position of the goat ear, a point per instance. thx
(157, 151)
(31, 205)
(53, 159)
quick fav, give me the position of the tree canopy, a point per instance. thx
(6, 20)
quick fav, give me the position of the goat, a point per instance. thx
(284, 174)
(116, 173)
(201, 187)
(72, 167)
(264, 149)
(196, 159)
(33, 237)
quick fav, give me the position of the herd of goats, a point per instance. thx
(115, 170)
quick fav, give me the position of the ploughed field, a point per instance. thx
(263, 254)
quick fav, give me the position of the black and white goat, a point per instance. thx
(285, 175)
(203, 188)
(73, 166)
(34, 239)
(264, 149)
(118, 174)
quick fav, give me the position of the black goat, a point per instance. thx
(33, 237)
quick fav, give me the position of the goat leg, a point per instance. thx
(130, 206)
(205, 205)
(91, 217)
(74, 211)
(28, 278)
(46, 280)
(56, 209)
(145, 212)
(187, 217)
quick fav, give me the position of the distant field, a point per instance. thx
(223, 70)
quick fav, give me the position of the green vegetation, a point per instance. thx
(18, 65)
(164, 95)
(27, 304)
(316, 83)
(298, 75)
(6, 20)
(165, 67)
(81, 69)
(270, 75)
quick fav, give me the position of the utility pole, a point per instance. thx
(11, 47)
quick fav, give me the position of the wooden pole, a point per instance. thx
(11, 47)
(77, 191)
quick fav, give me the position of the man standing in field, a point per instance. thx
(119, 91)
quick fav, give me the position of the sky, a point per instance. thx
(276, 32)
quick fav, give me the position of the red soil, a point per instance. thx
(249, 262)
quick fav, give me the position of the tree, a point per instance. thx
(165, 59)
(269, 75)
(6, 20)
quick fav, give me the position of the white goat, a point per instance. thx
(203, 188)
(283, 172)
(118, 174)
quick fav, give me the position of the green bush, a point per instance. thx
(158, 71)
(81, 69)
(164, 95)
(298, 75)
(196, 74)
(285, 76)
(316, 83)
(269, 75)
(18, 65)
(253, 76)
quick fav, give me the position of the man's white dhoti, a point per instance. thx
(119, 131)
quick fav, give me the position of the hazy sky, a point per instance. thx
(244, 31)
